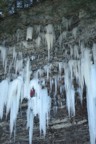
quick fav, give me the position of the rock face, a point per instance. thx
(71, 28)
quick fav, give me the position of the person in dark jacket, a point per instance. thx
(32, 92)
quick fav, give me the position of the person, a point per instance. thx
(32, 92)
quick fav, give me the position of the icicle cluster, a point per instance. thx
(13, 92)
(80, 67)
(38, 105)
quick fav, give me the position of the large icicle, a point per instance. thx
(90, 81)
(14, 94)
(49, 36)
(27, 79)
(70, 93)
(40, 104)
(3, 95)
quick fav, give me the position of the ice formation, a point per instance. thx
(3, 54)
(14, 94)
(18, 65)
(27, 79)
(70, 93)
(49, 36)
(80, 67)
(90, 80)
(38, 105)
(38, 41)
(3, 95)
(62, 37)
(14, 54)
(29, 33)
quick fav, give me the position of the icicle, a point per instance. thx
(29, 33)
(90, 80)
(31, 121)
(55, 86)
(18, 34)
(40, 104)
(14, 95)
(5, 68)
(27, 79)
(62, 37)
(60, 67)
(76, 51)
(94, 53)
(74, 32)
(49, 36)
(14, 54)
(70, 93)
(19, 65)
(3, 54)
(44, 110)
(71, 51)
(47, 70)
(3, 95)
(51, 83)
(38, 41)
(38, 29)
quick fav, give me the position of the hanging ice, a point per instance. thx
(19, 65)
(14, 94)
(3, 54)
(90, 81)
(49, 36)
(40, 104)
(62, 37)
(29, 33)
(70, 93)
(3, 95)
(27, 79)
(38, 41)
